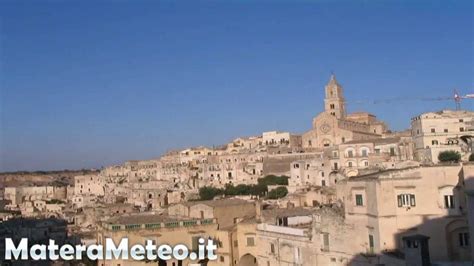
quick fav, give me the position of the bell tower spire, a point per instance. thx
(334, 102)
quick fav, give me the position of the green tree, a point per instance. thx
(449, 156)
(271, 180)
(277, 193)
(258, 190)
(208, 193)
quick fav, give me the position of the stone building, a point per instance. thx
(379, 153)
(435, 132)
(281, 139)
(334, 126)
(18, 195)
(227, 211)
(469, 192)
(38, 231)
(232, 168)
(422, 200)
(161, 229)
(89, 185)
(310, 172)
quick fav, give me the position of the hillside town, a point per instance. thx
(349, 191)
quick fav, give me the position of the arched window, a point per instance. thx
(350, 152)
(364, 152)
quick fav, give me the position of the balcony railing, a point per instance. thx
(159, 225)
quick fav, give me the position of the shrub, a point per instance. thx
(270, 180)
(208, 193)
(258, 190)
(278, 193)
(449, 156)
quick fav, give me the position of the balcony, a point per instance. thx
(159, 225)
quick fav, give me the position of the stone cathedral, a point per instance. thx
(334, 126)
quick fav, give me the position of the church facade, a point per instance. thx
(334, 126)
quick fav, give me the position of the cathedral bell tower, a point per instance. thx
(334, 102)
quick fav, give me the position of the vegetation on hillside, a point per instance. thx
(260, 189)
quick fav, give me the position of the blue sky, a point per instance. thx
(88, 84)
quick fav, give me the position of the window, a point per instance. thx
(296, 166)
(283, 221)
(323, 183)
(433, 130)
(449, 201)
(434, 142)
(331, 106)
(445, 130)
(464, 239)
(325, 241)
(350, 154)
(461, 120)
(411, 244)
(222, 258)
(364, 153)
(406, 200)
(250, 241)
(236, 244)
(366, 163)
(371, 244)
(349, 164)
(392, 151)
(461, 129)
(359, 200)
(272, 248)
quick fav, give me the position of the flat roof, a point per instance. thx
(218, 203)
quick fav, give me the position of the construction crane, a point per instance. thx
(456, 97)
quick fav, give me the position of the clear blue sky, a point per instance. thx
(87, 84)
